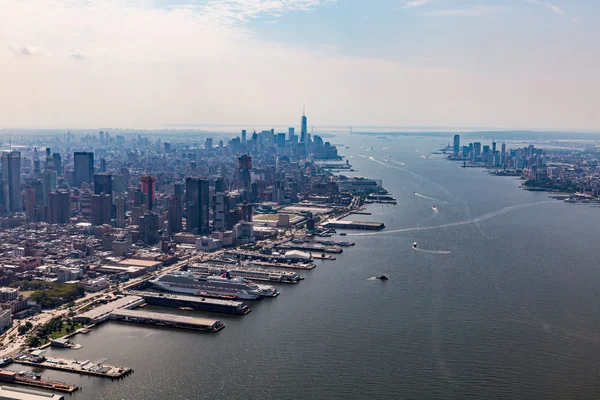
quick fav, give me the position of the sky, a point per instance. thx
(506, 64)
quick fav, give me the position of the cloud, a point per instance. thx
(556, 9)
(78, 55)
(27, 51)
(233, 12)
(465, 12)
(416, 3)
(187, 65)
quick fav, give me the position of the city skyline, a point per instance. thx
(502, 64)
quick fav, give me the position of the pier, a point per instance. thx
(21, 379)
(83, 367)
(170, 320)
(196, 303)
(365, 225)
(283, 265)
(306, 247)
(323, 257)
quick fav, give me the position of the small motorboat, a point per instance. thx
(414, 245)
(382, 277)
(343, 234)
(434, 207)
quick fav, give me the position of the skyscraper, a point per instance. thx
(209, 144)
(220, 205)
(103, 183)
(120, 211)
(243, 136)
(244, 174)
(304, 129)
(59, 207)
(148, 187)
(50, 179)
(101, 209)
(456, 148)
(11, 174)
(196, 200)
(84, 168)
(30, 205)
(57, 160)
(175, 215)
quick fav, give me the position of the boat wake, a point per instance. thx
(475, 220)
(432, 251)
(424, 196)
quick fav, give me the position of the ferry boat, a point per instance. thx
(268, 291)
(219, 286)
(255, 274)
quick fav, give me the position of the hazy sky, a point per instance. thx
(531, 64)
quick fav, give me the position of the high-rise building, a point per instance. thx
(291, 135)
(11, 174)
(246, 212)
(220, 205)
(148, 187)
(278, 194)
(103, 165)
(101, 209)
(175, 215)
(59, 207)
(120, 211)
(503, 148)
(50, 180)
(304, 129)
(244, 171)
(103, 183)
(243, 136)
(148, 228)
(30, 205)
(456, 147)
(84, 168)
(57, 161)
(209, 144)
(196, 200)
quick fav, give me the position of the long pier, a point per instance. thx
(342, 224)
(321, 249)
(83, 368)
(169, 320)
(15, 378)
(196, 303)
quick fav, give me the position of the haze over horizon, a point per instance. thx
(510, 64)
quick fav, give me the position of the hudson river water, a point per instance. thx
(501, 300)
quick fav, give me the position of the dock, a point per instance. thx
(305, 247)
(323, 257)
(283, 265)
(21, 379)
(79, 367)
(365, 225)
(193, 302)
(169, 320)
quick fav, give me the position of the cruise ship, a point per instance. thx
(218, 286)
(255, 274)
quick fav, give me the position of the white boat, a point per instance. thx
(226, 286)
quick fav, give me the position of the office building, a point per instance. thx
(175, 215)
(59, 207)
(57, 161)
(50, 180)
(148, 187)
(11, 175)
(120, 211)
(103, 183)
(304, 129)
(101, 209)
(456, 147)
(84, 168)
(196, 200)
